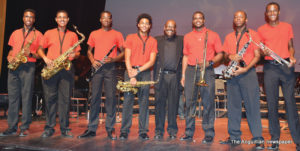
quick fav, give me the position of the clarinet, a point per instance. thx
(95, 69)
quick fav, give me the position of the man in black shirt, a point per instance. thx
(168, 65)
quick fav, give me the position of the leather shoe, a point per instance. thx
(231, 141)
(67, 134)
(158, 136)
(123, 136)
(111, 135)
(172, 136)
(207, 140)
(8, 132)
(23, 133)
(47, 133)
(87, 134)
(144, 136)
(186, 138)
(274, 146)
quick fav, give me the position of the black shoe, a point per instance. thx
(158, 136)
(231, 141)
(274, 146)
(23, 133)
(123, 136)
(298, 147)
(9, 132)
(186, 138)
(111, 135)
(87, 134)
(259, 143)
(259, 146)
(173, 136)
(47, 133)
(67, 134)
(207, 140)
(144, 136)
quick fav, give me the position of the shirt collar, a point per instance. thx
(204, 29)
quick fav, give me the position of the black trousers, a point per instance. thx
(275, 75)
(244, 88)
(207, 95)
(57, 93)
(143, 99)
(105, 76)
(20, 88)
(166, 94)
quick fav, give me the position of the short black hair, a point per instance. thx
(199, 12)
(242, 12)
(106, 12)
(29, 10)
(144, 15)
(62, 11)
(273, 3)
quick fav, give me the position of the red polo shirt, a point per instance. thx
(16, 40)
(135, 44)
(277, 38)
(230, 42)
(194, 42)
(103, 41)
(52, 42)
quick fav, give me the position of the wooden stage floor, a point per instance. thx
(100, 142)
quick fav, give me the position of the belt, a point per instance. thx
(274, 62)
(169, 72)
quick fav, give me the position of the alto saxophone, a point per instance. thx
(20, 57)
(62, 62)
(228, 72)
(128, 87)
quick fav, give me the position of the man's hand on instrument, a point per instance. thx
(96, 64)
(26, 52)
(72, 54)
(108, 60)
(200, 64)
(235, 57)
(133, 81)
(239, 70)
(11, 59)
(132, 73)
(49, 62)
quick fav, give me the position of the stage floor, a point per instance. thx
(100, 142)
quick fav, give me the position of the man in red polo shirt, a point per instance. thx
(243, 86)
(21, 80)
(194, 43)
(58, 88)
(103, 40)
(278, 36)
(140, 54)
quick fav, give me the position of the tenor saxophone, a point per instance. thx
(20, 57)
(128, 87)
(62, 62)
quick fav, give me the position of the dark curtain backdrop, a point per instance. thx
(84, 14)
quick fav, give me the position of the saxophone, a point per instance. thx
(127, 87)
(62, 62)
(228, 72)
(20, 57)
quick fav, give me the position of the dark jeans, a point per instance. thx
(181, 105)
(107, 76)
(207, 95)
(244, 88)
(166, 93)
(143, 99)
(275, 75)
(57, 93)
(20, 88)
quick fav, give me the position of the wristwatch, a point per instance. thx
(138, 70)
(211, 63)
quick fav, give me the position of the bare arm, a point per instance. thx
(42, 54)
(184, 65)
(256, 58)
(292, 53)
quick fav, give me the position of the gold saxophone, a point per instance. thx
(62, 62)
(127, 87)
(20, 57)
